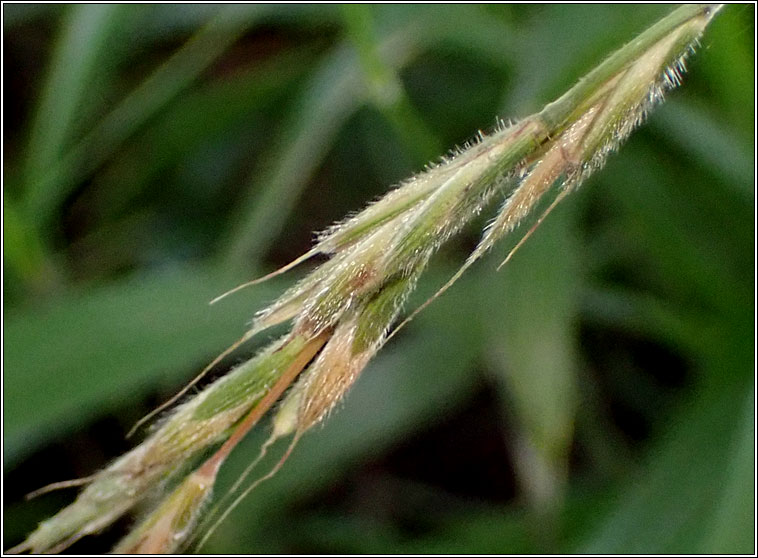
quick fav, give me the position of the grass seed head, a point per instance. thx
(343, 310)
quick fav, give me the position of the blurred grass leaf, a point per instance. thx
(671, 506)
(84, 32)
(532, 344)
(75, 359)
(164, 83)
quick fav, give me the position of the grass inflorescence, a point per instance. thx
(343, 311)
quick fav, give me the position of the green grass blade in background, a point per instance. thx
(92, 351)
(533, 346)
(23, 252)
(179, 136)
(82, 36)
(729, 47)
(385, 88)
(733, 525)
(671, 506)
(84, 33)
(153, 93)
(328, 99)
(711, 143)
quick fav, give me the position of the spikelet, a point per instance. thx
(167, 528)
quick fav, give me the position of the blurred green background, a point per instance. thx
(596, 395)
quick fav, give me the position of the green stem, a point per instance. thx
(386, 88)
